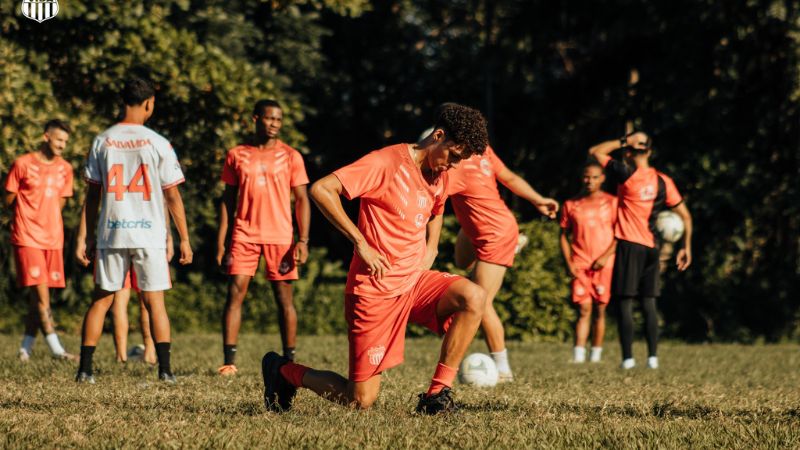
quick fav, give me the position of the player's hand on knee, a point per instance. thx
(186, 253)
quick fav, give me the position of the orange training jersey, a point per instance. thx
(265, 179)
(472, 187)
(642, 194)
(591, 222)
(396, 205)
(39, 186)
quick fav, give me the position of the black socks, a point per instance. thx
(162, 351)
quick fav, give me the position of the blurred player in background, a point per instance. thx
(642, 192)
(255, 219)
(588, 246)
(131, 171)
(37, 189)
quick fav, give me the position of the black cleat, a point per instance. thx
(167, 378)
(278, 393)
(84, 378)
(441, 403)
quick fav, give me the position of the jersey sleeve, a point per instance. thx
(229, 175)
(368, 177)
(565, 212)
(14, 176)
(66, 191)
(496, 162)
(92, 173)
(299, 176)
(169, 169)
(674, 197)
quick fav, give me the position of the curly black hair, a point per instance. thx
(463, 125)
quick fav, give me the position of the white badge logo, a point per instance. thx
(39, 10)
(376, 354)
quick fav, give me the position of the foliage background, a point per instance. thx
(718, 88)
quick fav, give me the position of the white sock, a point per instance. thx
(54, 344)
(579, 354)
(501, 360)
(596, 354)
(27, 343)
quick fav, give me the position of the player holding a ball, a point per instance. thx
(642, 193)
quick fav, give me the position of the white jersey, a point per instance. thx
(133, 164)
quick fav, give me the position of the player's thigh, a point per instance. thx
(152, 269)
(111, 269)
(489, 276)
(464, 251)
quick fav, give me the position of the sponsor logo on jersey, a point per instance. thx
(124, 224)
(486, 167)
(39, 10)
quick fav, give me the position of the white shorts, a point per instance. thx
(149, 264)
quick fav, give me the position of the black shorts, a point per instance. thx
(636, 271)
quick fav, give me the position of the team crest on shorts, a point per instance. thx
(600, 289)
(39, 10)
(579, 290)
(35, 271)
(285, 267)
(376, 354)
(55, 276)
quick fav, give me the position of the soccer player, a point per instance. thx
(642, 192)
(256, 219)
(590, 219)
(131, 171)
(402, 189)
(37, 188)
(489, 235)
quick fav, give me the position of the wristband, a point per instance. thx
(303, 240)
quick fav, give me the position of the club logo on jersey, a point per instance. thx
(419, 220)
(376, 354)
(486, 167)
(647, 192)
(39, 10)
(422, 199)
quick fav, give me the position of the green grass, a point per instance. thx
(704, 396)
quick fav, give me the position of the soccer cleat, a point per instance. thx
(67, 357)
(505, 377)
(652, 362)
(84, 378)
(278, 393)
(441, 403)
(227, 370)
(136, 353)
(629, 363)
(522, 241)
(596, 354)
(167, 378)
(23, 355)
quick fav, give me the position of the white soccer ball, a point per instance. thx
(478, 370)
(670, 226)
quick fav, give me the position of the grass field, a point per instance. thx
(705, 396)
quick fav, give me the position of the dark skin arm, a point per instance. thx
(684, 258)
(302, 211)
(227, 212)
(174, 202)
(84, 249)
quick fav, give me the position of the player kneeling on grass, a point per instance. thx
(255, 219)
(402, 189)
(37, 188)
(590, 219)
(131, 171)
(642, 193)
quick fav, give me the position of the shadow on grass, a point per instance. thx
(670, 410)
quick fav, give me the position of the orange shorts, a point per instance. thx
(594, 285)
(244, 259)
(377, 326)
(499, 249)
(37, 266)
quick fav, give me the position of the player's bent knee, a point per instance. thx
(473, 299)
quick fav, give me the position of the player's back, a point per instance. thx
(133, 164)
